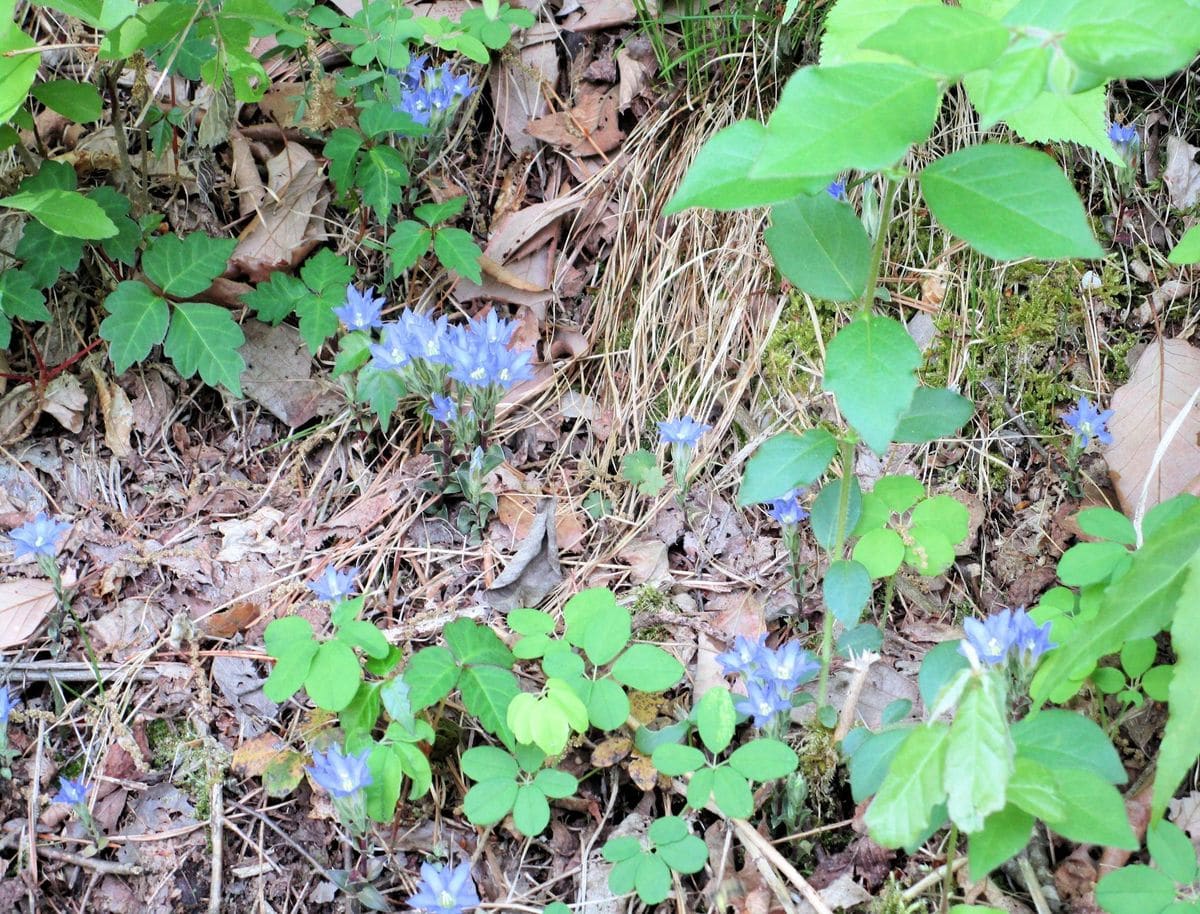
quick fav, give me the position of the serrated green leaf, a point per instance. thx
(183, 267)
(19, 298)
(278, 298)
(341, 149)
(784, 462)
(870, 368)
(948, 40)
(934, 413)
(431, 673)
(1081, 118)
(1181, 736)
(382, 177)
(473, 643)
(381, 390)
(457, 251)
(122, 246)
(46, 254)
(334, 676)
(819, 244)
(718, 177)
(78, 102)
(641, 468)
(136, 323)
(1009, 202)
(204, 338)
(433, 213)
(407, 244)
(979, 755)
(66, 212)
(327, 274)
(862, 116)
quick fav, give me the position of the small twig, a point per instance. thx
(861, 664)
(1032, 883)
(103, 867)
(919, 888)
(216, 820)
(749, 837)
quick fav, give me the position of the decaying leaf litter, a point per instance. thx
(197, 519)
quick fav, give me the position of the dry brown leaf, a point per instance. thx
(1163, 381)
(279, 375)
(24, 604)
(288, 224)
(601, 14)
(588, 129)
(517, 84)
(240, 537)
(229, 622)
(534, 570)
(1182, 174)
(612, 750)
(636, 69)
(66, 401)
(117, 412)
(252, 757)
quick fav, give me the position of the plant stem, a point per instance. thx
(948, 880)
(846, 459)
(885, 215)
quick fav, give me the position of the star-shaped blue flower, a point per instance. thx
(39, 536)
(444, 890)
(1088, 422)
(362, 311)
(334, 586)
(684, 431)
(8, 702)
(73, 793)
(339, 774)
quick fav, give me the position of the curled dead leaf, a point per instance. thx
(24, 605)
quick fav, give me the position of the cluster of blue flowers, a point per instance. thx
(344, 778)
(1088, 422)
(429, 94)
(1007, 635)
(771, 676)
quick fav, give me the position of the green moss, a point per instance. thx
(194, 762)
(890, 900)
(795, 340)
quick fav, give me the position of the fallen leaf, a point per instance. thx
(611, 751)
(289, 221)
(278, 375)
(590, 128)
(643, 773)
(647, 561)
(230, 622)
(517, 84)
(241, 685)
(117, 412)
(1182, 174)
(1164, 380)
(636, 67)
(24, 604)
(240, 537)
(601, 14)
(66, 401)
(534, 570)
(251, 758)
(130, 627)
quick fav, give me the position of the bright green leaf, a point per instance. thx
(903, 807)
(1004, 834)
(674, 760)
(490, 801)
(979, 756)
(1181, 736)
(716, 719)
(880, 551)
(784, 462)
(430, 673)
(1095, 810)
(764, 760)
(183, 267)
(846, 589)
(934, 413)
(1131, 889)
(407, 244)
(334, 676)
(457, 251)
(204, 338)
(819, 244)
(946, 39)
(641, 468)
(136, 323)
(78, 102)
(66, 212)
(531, 812)
(647, 668)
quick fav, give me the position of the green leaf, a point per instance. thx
(278, 298)
(407, 244)
(979, 756)
(941, 665)
(1187, 251)
(458, 251)
(764, 760)
(732, 793)
(641, 468)
(824, 517)
(869, 763)
(1137, 656)
(861, 116)
(652, 880)
(1136, 39)
(647, 668)
(1137, 605)
(784, 462)
(204, 338)
(819, 244)
(341, 149)
(1135, 890)
(1172, 851)
(136, 323)
(17, 72)
(934, 413)
(490, 801)
(327, 274)
(19, 298)
(486, 693)
(361, 634)
(687, 855)
(846, 589)
(586, 616)
(880, 551)
(869, 368)
(903, 808)
(382, 390)
(556, 784)
(624, 848)
(431, 674)
(850, 22)
(1091, 563)
(1062, 740)
(931, 553)
(334, 676)
(487, 763)
(1157, 682)
(1004, 835)
(1181, 736)
(1009, 85)
(1032, 788)
(433, 213)
(674, 760)
(607, 706)
(716, 719)
(531, 812)
(124, 245)
(1081, 118)
(183, 267)
(78, 102)
(700, 787)
(1009, 202)
(948, 40)
(944, 513)
(65, 212)
(1107, 524)
(718, 177)
(1095, 811)
(472, 643)
(46, 254)
(290, 641)
(382, 177)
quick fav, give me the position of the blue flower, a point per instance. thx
(339, 774)
(430, 94)
(1005, 634)
(362, 310)
(495, 329)
(73, 793)
(788, 511)
(334, 586)
(1125, 138)
(837, 189)
(415, 71)
(417, 105)
(685, 431)
(1088, 422)
(7, 703)
(508, 366)
(788, 666)
(443, 409)
(459, 86)
(762, 703)
(445, 890)
(479, 355)
(427, 338)
(746, 655)
(39, 536)
(391, 352)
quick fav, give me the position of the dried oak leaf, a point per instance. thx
(1165, 380)
(588, 129)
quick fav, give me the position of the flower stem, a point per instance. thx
(885, 215)
(846, 459)
(948, 879)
